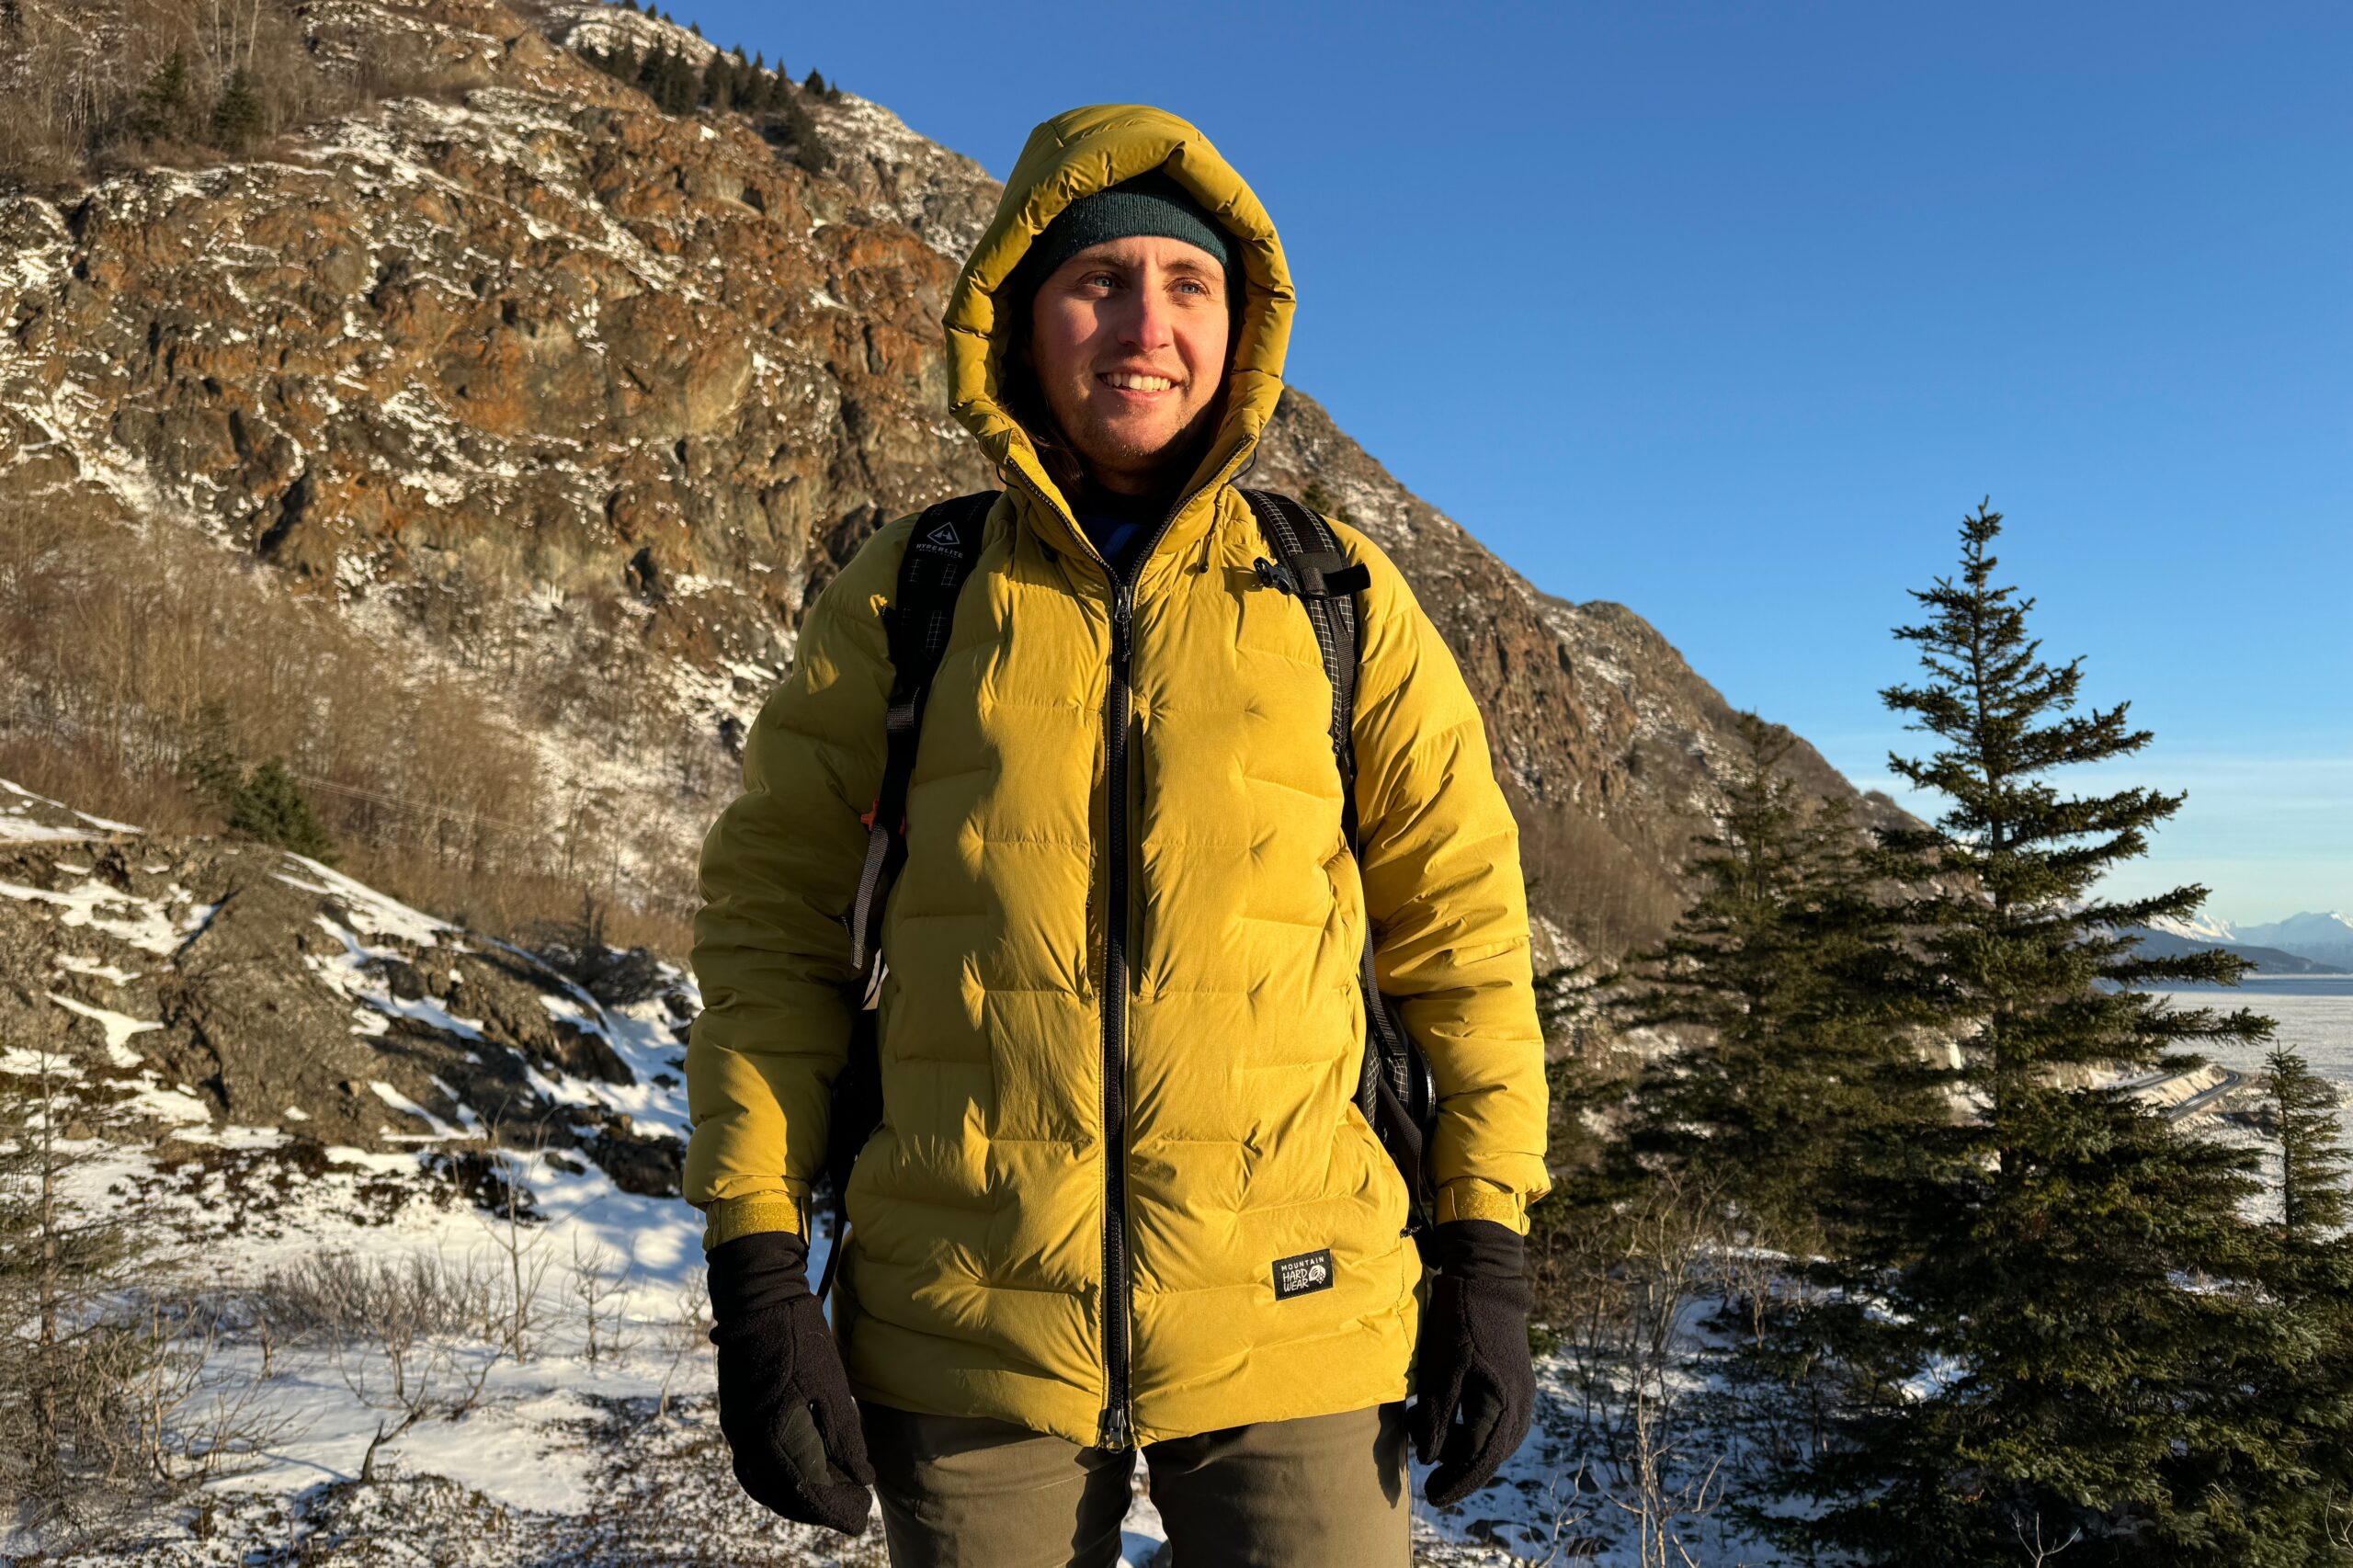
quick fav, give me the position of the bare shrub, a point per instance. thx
(113, 1393)
(338, 1295)
(411, 1336)
(582, 949)
(115, 642)
(685, 1332)
(517, 1244)
(191, 1418)
(446, 1380)
(1625, 1295)
(598, 1278)
(100, 84)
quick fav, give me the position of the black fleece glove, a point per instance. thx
(784, 1400)
(1474, 1383)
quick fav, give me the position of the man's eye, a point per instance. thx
(1105, 278)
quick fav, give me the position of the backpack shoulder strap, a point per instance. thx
(940, 554)
(1393, 1088)
(1310, 563)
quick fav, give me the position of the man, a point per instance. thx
(1122, 1195)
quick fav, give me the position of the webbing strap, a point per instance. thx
(1310, 563)
(939, 554)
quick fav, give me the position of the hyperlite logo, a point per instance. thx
(941, 536)
(1298, 1276)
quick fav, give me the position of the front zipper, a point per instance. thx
(1116, 1428)
(1118, 1431)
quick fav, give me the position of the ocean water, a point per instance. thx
(2314, 1014)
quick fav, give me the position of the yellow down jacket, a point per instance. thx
(1072, 1215)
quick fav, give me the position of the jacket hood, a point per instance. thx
(1072, 156)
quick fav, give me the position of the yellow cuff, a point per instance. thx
(1469, 1197)
(728, 1217)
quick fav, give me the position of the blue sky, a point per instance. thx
(1729, 312)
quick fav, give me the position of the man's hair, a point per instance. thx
(1025, 399)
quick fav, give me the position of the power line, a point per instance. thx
(418, 808)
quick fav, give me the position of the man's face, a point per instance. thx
(1129, 341)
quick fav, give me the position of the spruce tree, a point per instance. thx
(270, 806)
(2311, 1273)
(237, 117)
(2313, 1206)
(809, 152)
(210, 764)
(674, 83)
(2054, 1311)
(164, 99)
(1781, 977)
(813, 82)
(2281, 1492)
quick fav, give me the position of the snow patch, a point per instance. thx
(437, 1131)
(369, 911)
(74, 963)
(119, 1027)
(143, 923)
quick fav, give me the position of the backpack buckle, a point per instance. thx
(1315, 574)
(1277, 575)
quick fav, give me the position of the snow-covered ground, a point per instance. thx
(575, 1427)
(567, 1455)
(581, 1429)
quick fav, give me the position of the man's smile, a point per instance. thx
(1134, 381)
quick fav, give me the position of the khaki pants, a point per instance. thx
(965, 1492)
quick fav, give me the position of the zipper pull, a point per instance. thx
(1123, 625)
(1116, 1432)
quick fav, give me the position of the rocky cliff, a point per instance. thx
(524, 369)
(278, 1017)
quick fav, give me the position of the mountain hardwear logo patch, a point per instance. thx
(1298, 1276)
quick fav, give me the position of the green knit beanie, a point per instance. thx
(1151, 203)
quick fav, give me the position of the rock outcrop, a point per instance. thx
(234, 995)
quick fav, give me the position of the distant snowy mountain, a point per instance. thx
(2170, 943)
(2327, 938)
(2322, 942)
(2197, 928)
